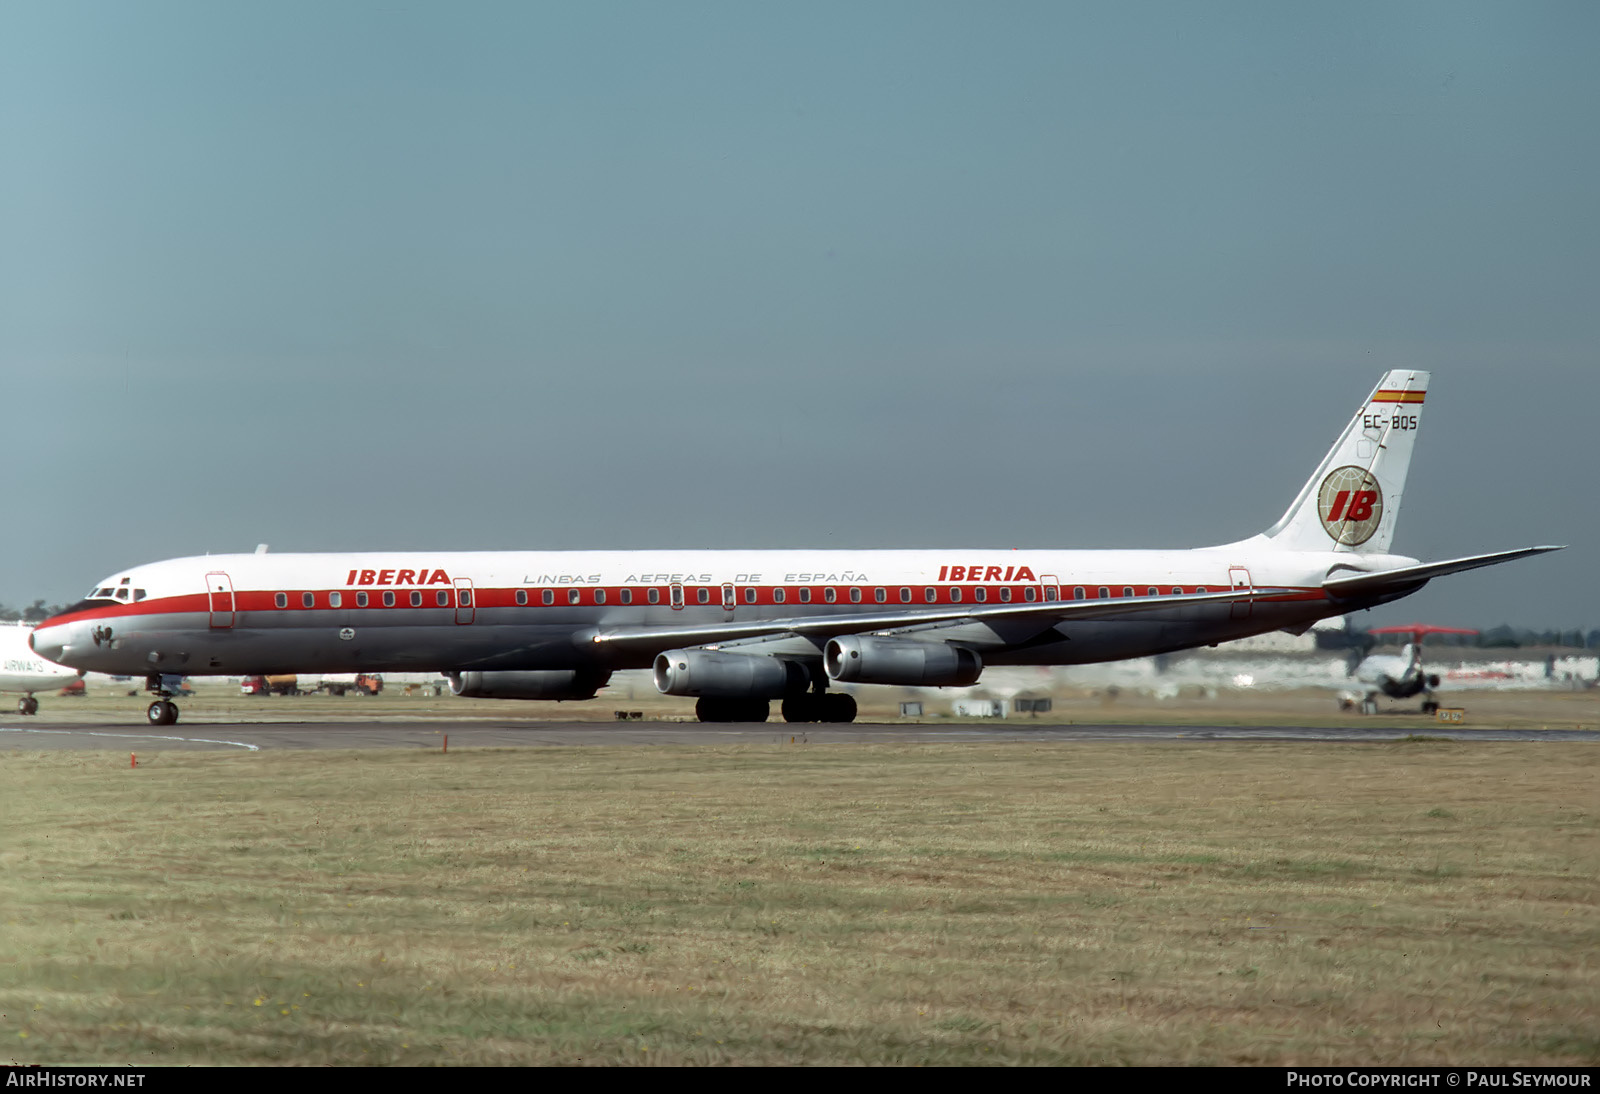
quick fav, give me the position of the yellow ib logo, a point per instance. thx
(1350, 504)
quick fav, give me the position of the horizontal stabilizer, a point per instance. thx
(1410, 577)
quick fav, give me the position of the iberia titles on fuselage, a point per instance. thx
(736, 629)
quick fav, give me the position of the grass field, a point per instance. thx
(218, 700)
(1409, 903)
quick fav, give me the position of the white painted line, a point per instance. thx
(135, 736)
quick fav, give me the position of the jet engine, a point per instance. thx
(542, 684)
(727, 675)
(862, 659)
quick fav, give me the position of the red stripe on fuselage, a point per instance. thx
(264, 601)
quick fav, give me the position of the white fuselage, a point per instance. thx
(381, 611)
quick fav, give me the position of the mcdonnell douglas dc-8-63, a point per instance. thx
(737, 629)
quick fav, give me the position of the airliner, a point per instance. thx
(736, 630)
(23, 670)
(1399, 676)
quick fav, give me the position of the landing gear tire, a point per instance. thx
(1430, 707)
(803, 708)
(27, 705)
(1369, 706)
(731, 710)
(162, 713)
(839, 708)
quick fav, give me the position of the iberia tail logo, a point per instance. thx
(1350, 504)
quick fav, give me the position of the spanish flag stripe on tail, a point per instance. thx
(1398, 396)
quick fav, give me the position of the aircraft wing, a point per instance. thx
(1412, 577)
(1047, 613)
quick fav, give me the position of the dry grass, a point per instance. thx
(1415, 903)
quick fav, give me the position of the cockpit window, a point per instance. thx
(138, 595)
(122, 593)
(103, 594)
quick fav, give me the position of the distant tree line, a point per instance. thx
(1504, 636)
(37, 612)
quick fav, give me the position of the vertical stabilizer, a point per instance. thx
(1352, 501)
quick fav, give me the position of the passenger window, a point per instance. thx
(1154, 591)
(361, 599)
(334, 600)
(416, 598)
(805, 596)
(653, 595)
(955, 594)
(522, 596)
(548, 596)
(980, 594)
(440, 598)
(750, 596)
(1050, 592)
(1104, 592)
(880, 595)
(281, 600)
(702, 595)
(388, 600)
(830, 594)
(626, 595)
(930, 594)
(855, 596)
(573, 596)
(677, 595)
(777, 596)
(464, 597)
(1077, 593)
(308, 600)
(1200, 591)
(1127, 590)
(1030, 594)
(1005, 595)
(599, 596)
(905, 596)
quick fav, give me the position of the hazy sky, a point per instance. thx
(428, 275)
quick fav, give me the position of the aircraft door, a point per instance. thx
(219, 599)
(727, 601)
(1239, 579)
(465, 609)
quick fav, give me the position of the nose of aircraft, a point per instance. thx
(49, 642)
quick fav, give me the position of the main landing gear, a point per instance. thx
(162, 712)
(27, 705)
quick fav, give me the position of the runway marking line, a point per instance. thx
(137, 736)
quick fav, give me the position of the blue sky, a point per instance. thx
(355, 275)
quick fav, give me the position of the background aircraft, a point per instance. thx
(23, 670)
(1397, 675)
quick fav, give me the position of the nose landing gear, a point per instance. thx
(162, 712)
(27, 705)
